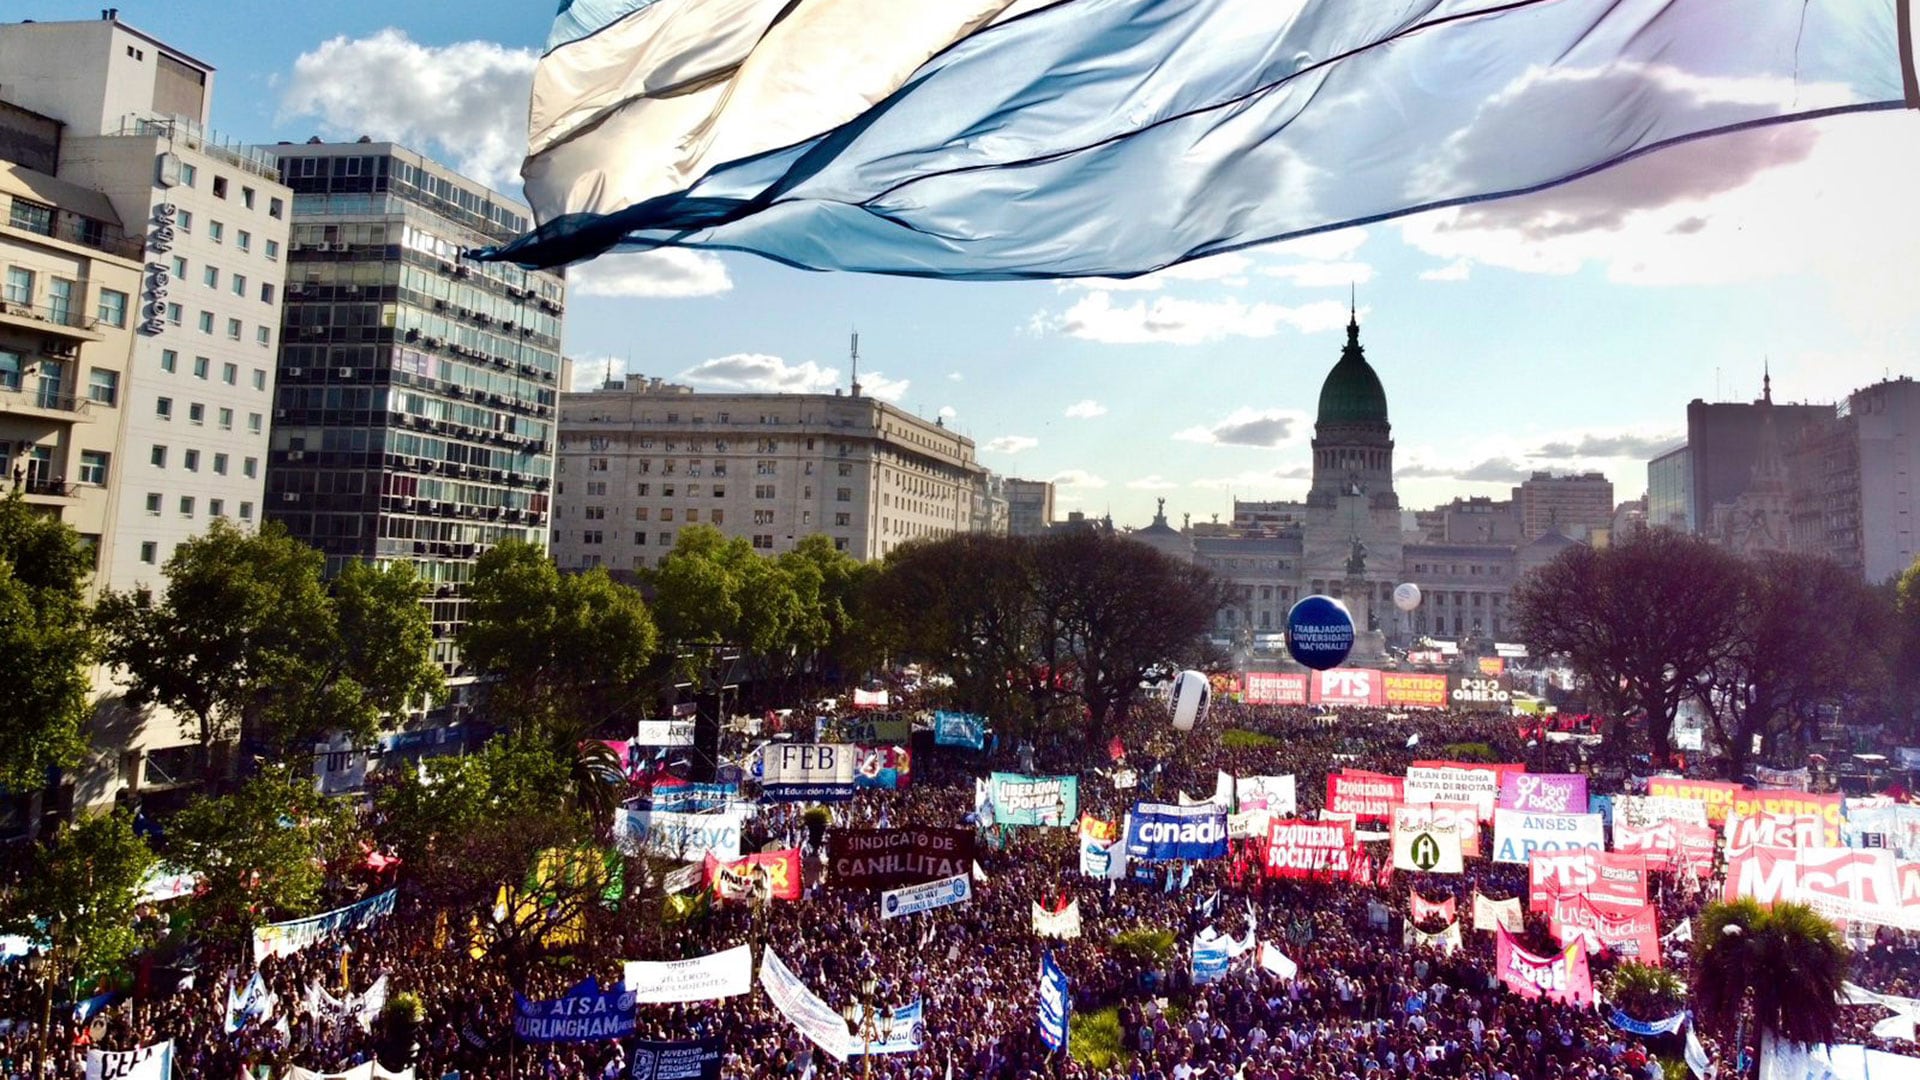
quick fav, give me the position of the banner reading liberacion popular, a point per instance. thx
(1034, 800)
(584, 1014)
(1160, 832)
(889, 858)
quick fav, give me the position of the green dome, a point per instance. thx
(1352, 393)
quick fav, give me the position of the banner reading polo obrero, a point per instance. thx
(1562, 977)
(680, 837)
(703, 978)
(147, 1063)
(959, 729)
(1276, 688)
(1321, 850)
(1034, 800)
(1518, 834)
(806, 772)
(287, 938)
(1365, 795)
(1716, 796)
(1159, 832)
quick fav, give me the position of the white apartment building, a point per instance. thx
(639, 460)
(199, 384)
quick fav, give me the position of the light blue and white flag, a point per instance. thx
(1056, 1003)
(999, 139)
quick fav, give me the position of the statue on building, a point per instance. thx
(1357, 559)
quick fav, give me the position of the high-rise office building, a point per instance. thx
(1029, 506)
(1723, 446)
(1670, 490)
(416, 406)
(1575, 504)
(1855, 482)
(641, 459)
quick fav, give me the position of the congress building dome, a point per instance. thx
(1352, 393)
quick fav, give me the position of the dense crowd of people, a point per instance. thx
(1362, 1006)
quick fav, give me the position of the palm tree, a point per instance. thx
(1783, 966)
(1645, 992)
(598, 783)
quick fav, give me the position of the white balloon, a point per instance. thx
(1406, 596)
(1191, 696)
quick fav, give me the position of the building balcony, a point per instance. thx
(44, 405)
(39, 491)
(59, 322)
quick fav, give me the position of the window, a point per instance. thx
(639, 539)
(246, 511)
(843, 520)
(191, 460)
(253, 422)
(180, 268)
(243, 240)
(665, 539)
(719, 491)
(220, 464)
(246, 197)
(763, 541)
(266, 292)
(595, 513)
(32, 217)
(206, 322)
(93, 467)
(186, 506)
(598, 464)
(149, 551)
(839, 543)
(158, 457)
(842, 494)
(666, 514)
(11, 364)
(640, 514)
(763, 517)
(226, 419)
(216, 232)
(763, 491)
(642, 489)
(201, 366)
(59, 299)
(196, 413)
(718, 516)
(153, 503)
(233, 331)
(239, 284)
(103, 386)
(591, 536)
(174, 314)
(210, 276)
(260, 376)
(169, 360)
(249, 469)
(262, 335)
(273, 247)
(276, 208)
(183, 220)
(230, 374)
(113, 307)
(163, 408)
(219, 187)
(19, 285)
(188, 174)
(846, 469)
(216, 507)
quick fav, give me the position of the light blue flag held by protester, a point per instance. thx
(1004, 139)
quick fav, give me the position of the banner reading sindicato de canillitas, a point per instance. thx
(890, 858)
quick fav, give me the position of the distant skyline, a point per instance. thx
(1565, 331)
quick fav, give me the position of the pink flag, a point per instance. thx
(1561, 977)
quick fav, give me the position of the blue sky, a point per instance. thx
(1562, 331)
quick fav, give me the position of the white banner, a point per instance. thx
(807, 769)
(1251, 825)
(1102, 858)
(166, 883)
(1428, 783)
(665, 834)
(816, 1019)
(1274, 794)
(1493, 914)
(914, 899)
(1277, 962)
(1420, 845)
(369, 1071)
(1064, 923)
(287, 938)
(703, 978)
(1517, 834)
(664, 733)
(147, 1063)
(1447, 940)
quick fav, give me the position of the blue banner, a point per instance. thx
(694, 798)
(1056, 1004)
(1210, 959)
(1159, 832)
(287, 938)
(959, 729)
(1668, 1026)
(585, 1014)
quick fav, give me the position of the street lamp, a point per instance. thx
(872, 1027)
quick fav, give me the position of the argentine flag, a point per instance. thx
(1006, 139)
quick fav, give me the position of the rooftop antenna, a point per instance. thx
(855, 357)
(1766, 379)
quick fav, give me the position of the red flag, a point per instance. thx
(1117, 750)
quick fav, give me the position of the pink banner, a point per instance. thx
(1562, 977)
(1425, 910)
(1621, 881)
(1632, 935)
(1753, 804)
(1276, 688)
(1550, 793)
(1310, 849)
(1609, 878)
(1347, 686)
(1364, 794)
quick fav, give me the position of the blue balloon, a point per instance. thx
(1319, 632)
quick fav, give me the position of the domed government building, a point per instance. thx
(1351, 539)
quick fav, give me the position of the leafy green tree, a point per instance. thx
(697, 588)
(82, 888)
(1640, 622)
(247, 639)
(1645, 992)
(49, 644)
(1905, 646)
(264, 849)
(564, 653)
(1783, 967)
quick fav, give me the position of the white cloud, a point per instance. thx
(1011, 444)
(760, 373)
(877, 385)
(1156, 482)
(1321, 275)
(465, 102)
(1229, 268)
(955, 376)
(1166, 320)
(1630, 445)
(1086, 410)
(948, 412)
(1250, 481)
(1332, 246)
(590, 372)
(1457, 270)
(1077, 478)
(1250, 427)
(665, 273)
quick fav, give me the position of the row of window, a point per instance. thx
(50, 380)
(237, 282)
(63, 297)
(236, 329)
(190, 177)
(150, 550)
(159, 453)
(203, 368)
(217, 230)
(197, 415)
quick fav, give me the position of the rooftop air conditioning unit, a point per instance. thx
(345, 373)
(296, 455)
(294, 372)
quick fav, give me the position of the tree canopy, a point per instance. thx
(264, 849)
(80, 893)
(49, 642)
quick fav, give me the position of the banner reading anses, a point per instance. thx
(1518, 834)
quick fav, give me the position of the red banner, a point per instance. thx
(734, 879)
(1364, 794)
(1717, 796)
(1632, 935)
(1773, 830)
(1310, 849)
(1276, 688)
(1426, 911)
(1413, 690)
(1753, 804)
(1346, 686)
(1609, 878)
(1562, 977)
(1621, 881)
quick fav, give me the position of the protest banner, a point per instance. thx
(1490, 914)
(1860, 885)
(583, 1014)
(1454, 784)
(959, 729)
(1161, 832)
(663, 733)
(806, 772)
(1034, 800)
(1619, 881)
(1632, 934)
(871, 730)
(1276, 962)
(1772, 830)
(1346, 686)
(1550, 793)
(1518, 834)
(1716, 796)
(871, 699)
(1446, 940)
(1562, 977)
(1423, 910)
(890, 858)
(683, 1059)
(1274, 794)
(1828, 808)
(1102, 858)
(1064, 923)
(913, 899)
(1364, 794)
(814, 1018)
(147, 1063)
(901, 1031)
(889, 768)
(1055, 1004)
(663, 834)
(1310, 849)
(1413, 690)
(776, 875)
(1276, 688)
(1420, 845)
(1643, 811)
(692, 798)
(703, 978)
(163, 882)
(1210, 957)
(1768, 779)
(287, 938)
